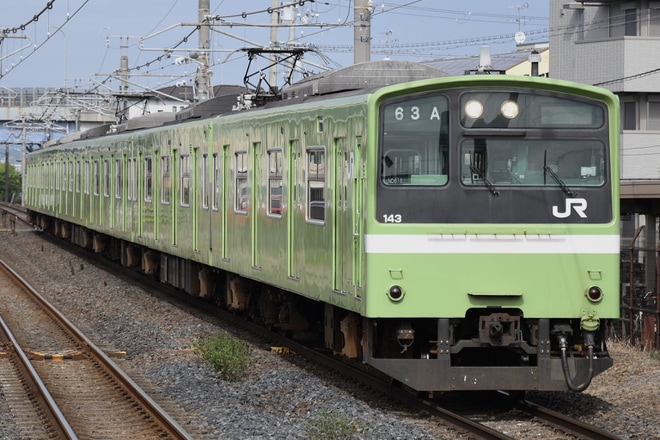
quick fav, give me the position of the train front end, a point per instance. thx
(492, 233)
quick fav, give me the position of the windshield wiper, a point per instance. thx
(489, 185)
(569, 192)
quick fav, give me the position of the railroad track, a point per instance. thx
(79, 391)
(470, 425)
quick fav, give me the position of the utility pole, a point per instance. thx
(362, 31)
(274, 21)
(203, 78)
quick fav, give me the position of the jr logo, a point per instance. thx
(579, 205)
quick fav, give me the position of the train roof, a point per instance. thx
(357, 78)
(361, 76)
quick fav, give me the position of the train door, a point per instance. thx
(295, 215)
(226, 179)
(174, 202)
(193, 179)
(216, 208)
(343, 273)
(254, 218)
(205, 217)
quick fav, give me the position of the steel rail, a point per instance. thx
(62, 425)
(584, 430)
(155, 411)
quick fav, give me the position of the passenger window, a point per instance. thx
(118, 178)
(185, 180)
(316, 183)
(275, 182)
(242, 195)
(148, 175)
(165, 183)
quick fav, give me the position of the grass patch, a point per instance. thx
(229, 357)
(329, 426)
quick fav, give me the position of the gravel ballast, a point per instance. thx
(282, 396)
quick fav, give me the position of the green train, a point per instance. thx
(455, 233)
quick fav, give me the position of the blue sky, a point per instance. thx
(88, 37)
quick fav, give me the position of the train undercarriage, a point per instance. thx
(497, 349)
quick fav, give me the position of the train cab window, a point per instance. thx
(185, 182)
(165, 182)
(415, 142)
(510, 162)
(275, 182)
(316, 183)
(118, 178)
(148, 175)
(242, 194)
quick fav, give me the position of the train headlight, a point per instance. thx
(594, 294)
(395, 293)
(509, 109)
(474, 109)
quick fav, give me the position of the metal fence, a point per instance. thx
(640, 308)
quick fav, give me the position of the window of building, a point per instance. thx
(654, 22)
(630, 28)
(629, 115)
(316, 183)
(653, 122)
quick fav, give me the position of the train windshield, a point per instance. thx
(513, 162)
(515, 153)
(415, 142)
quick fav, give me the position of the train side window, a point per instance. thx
(97, 178)
(106, 178)
(118, 178)
(58, 175)
(130, 178)
(70, 176)
(148, 175)
(133, 164)
(275, 182)
(185, 179)
(316, 183)
(205, 181)
(216, 182)
(78, 176)
(242, 189)
(166, 186)
(86, 180)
